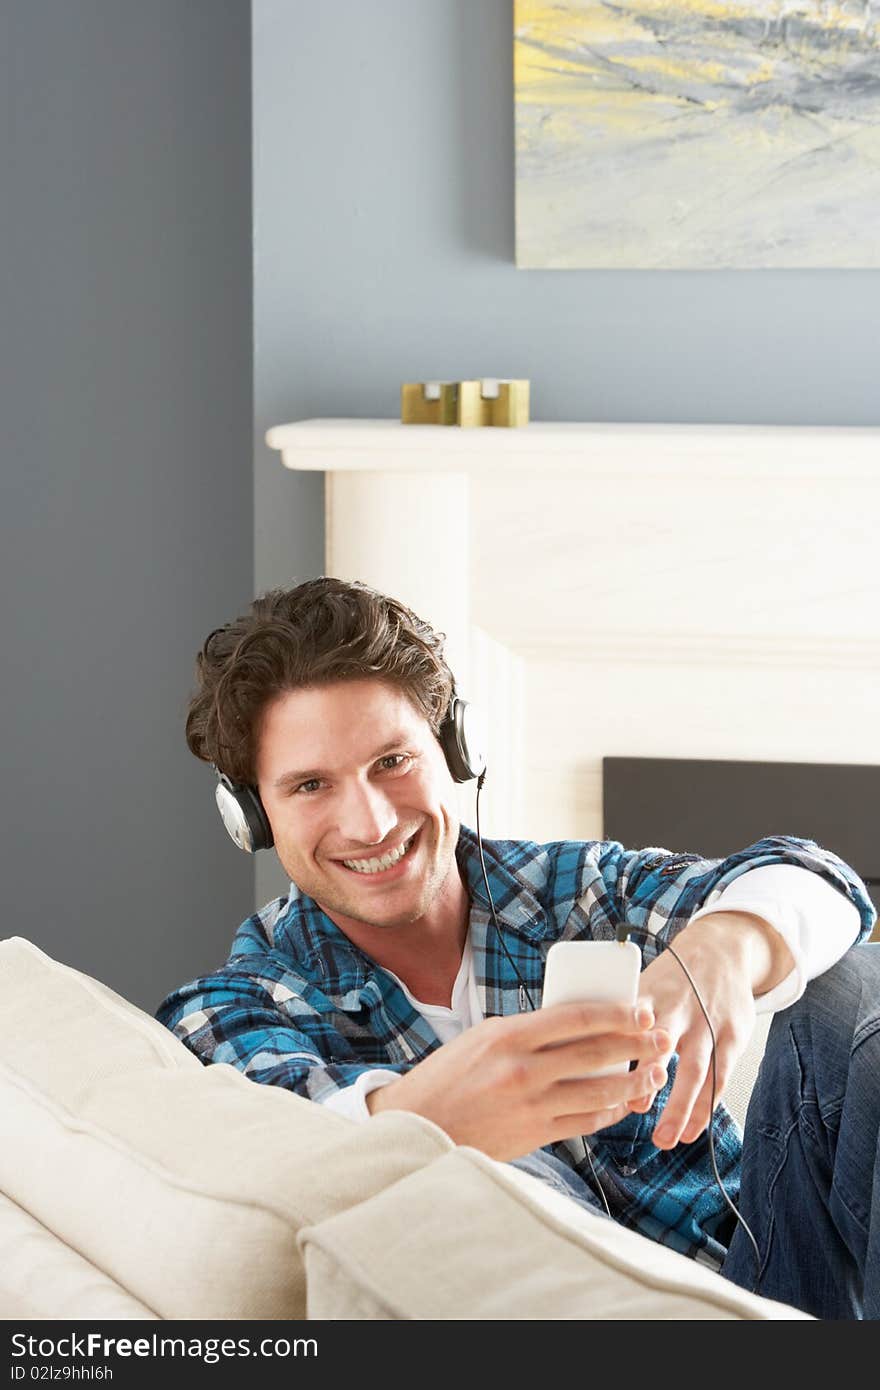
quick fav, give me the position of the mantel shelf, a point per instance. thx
(327, 445)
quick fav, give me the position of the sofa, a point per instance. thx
(135, 1183)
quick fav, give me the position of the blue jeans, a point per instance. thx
(811, 1159)
(810, 1188)
(558, 1175)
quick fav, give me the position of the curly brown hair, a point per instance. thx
(323, 630)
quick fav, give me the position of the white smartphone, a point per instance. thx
(584, 971)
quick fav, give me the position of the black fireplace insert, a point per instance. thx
(716, 807)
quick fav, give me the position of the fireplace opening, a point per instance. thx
(715, 807)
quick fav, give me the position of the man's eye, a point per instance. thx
(312, 785)
(393, 760)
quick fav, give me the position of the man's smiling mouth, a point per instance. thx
(387, 861)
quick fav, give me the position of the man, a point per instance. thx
(382, 981)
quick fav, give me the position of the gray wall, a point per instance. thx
(126, 517)
(383, 185)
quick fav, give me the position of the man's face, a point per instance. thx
(351, 775)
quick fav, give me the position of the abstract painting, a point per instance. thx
(697, 134)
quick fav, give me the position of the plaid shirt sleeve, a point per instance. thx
(231, 1016)
(660, 891)
(258, 1014)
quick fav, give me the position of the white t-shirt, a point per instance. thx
(817, 923)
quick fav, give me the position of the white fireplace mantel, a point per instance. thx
(643, 590)
(649, 450)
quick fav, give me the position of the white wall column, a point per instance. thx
(408, 535)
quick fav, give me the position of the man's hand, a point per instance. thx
(511, 1085)
(732, 957)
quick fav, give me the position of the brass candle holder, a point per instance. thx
(468, 404)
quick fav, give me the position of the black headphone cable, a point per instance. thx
(623, 933)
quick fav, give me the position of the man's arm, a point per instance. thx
(765, 929)
(507, 1085)
(661, 892)
(232, 1016)
(817, 923)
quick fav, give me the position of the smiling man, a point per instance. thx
(385, 979)
(363, 825)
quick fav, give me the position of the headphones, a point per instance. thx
(462, 738)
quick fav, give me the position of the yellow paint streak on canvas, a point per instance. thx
(566, 25)
(697, 70)
(540, 77)
(534, 71)
(572, 31)
(561, 25)
(567, 31)
(664, 65)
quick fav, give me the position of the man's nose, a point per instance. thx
(367, 816)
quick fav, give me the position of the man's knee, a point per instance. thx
(852, 980)
(837, 1007)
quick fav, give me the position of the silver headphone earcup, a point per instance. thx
(233, 818)
(242, 813)
(472, 738)
(463, 739)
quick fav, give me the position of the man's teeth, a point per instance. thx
(375, 866)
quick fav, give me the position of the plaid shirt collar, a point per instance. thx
(325, 954)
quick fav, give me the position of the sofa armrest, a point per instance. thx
(41, 1277)
(467, 1237)
(184, 1185)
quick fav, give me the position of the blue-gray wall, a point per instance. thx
(384, 189)
(126, 518)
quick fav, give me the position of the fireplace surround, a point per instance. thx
(685, 592)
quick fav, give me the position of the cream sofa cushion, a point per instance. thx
(472, 1238)
(186, 1185)
(742, 1081)
(42, 1277)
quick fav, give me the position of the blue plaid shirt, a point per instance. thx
(299, 1005)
